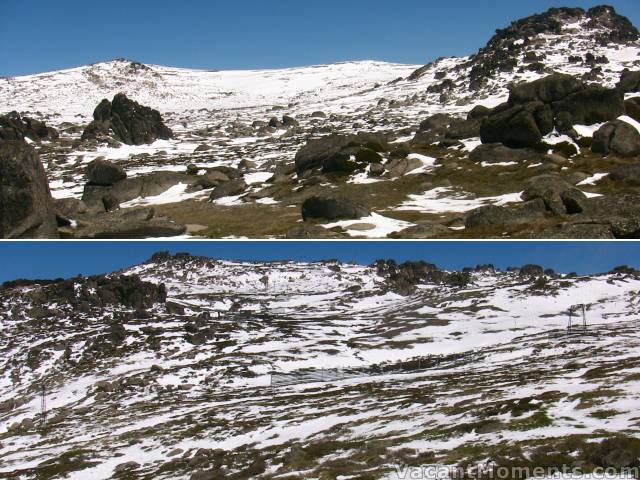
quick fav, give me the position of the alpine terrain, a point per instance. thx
(534, 136)
(193, 368)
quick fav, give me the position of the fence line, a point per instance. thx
(336, 374)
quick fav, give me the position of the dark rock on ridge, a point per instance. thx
(15, 127)
(128, 122)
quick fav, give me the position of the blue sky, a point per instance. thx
(44, 35)
(67, 259)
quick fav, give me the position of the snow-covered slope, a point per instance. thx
(71, 95)
(446, 374)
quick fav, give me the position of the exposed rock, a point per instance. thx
(498, 153)
(628, 174)
(99, 198)
(554, 191)
(574, 201)
(478, 112)
(15, 127)
(402, 166)
(531, 270)
(488, 215)
(305, 231)
(104, 172)
(619, 211)
(547, 90)
(128, 121)
(576, 230)
(228, 189)
(460, 129)
(150, 184)
(26, 207)
(629, 82)
(435, 122)
(589, 106)
(559, 100)
(130, 223)
(333, 153)
(100, 290)
(616, 137)
(332, 208)
(517, 126)
(632, 107)
(423, 230)
(289, 121)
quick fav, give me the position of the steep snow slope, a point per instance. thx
(446, 374)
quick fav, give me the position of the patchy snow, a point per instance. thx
(373, 226)
(443, 199)
(593, 179)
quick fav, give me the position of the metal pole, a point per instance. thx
(43, 404)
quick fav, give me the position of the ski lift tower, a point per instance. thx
(576, 309)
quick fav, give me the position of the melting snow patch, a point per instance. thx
(635, 124)
(593, 179)
(498, 164)
(257, 177)
(442, 199)
(177, 193)
(587, 130)
(472, 144)
(373, 226)
(427, 163)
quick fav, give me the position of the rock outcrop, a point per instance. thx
(15, 127)
(338, 153)
(558, 101)
(127, 121)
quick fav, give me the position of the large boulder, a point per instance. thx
(26, 206)
(337, 153)
(627, 174)
(518, 126)
(629, 82)
(104, 172)
(587, 107)
(632, 108)
(619, 211)
(128, 122)
(130, 223)
(332, 208)
(101, 197)
(498, 153)
(228, 189)
(497, 215)
(558, 195)
(15, 127)
(549, 89)
(617, 137)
